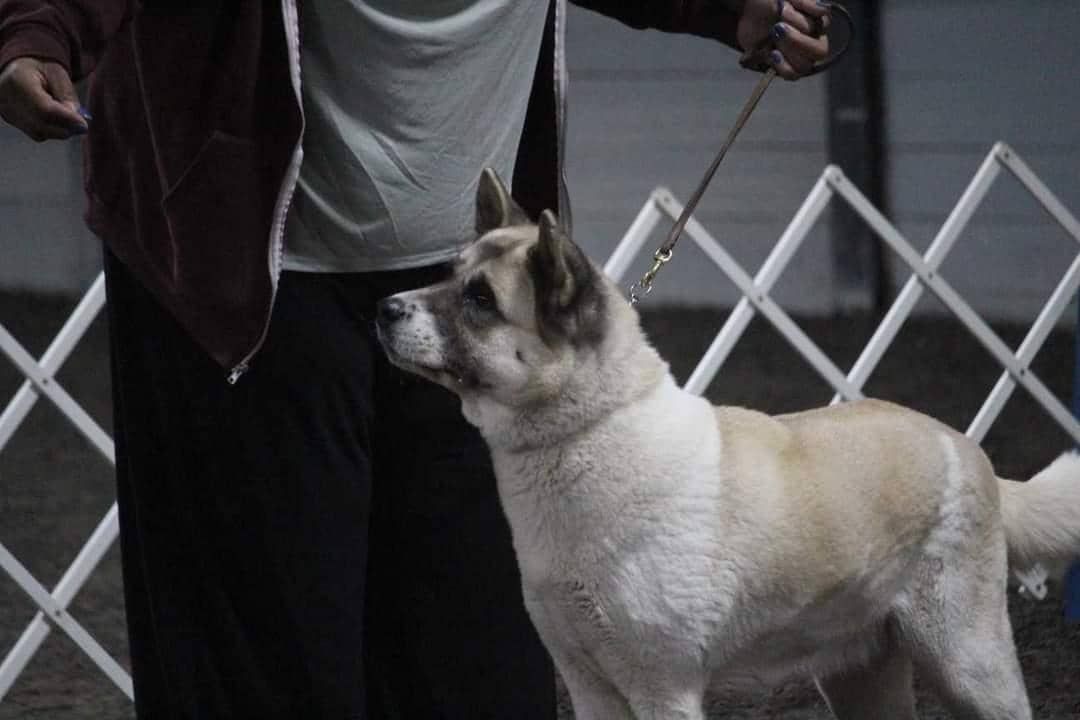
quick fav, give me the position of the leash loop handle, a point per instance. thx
(823, 65)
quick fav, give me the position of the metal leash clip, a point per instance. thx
(644, 285)
(664, 253)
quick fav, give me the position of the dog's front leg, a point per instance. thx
(667, 704)
(593, 697)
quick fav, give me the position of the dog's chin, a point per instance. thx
(439, 376)
(435, 375)
(428, 372)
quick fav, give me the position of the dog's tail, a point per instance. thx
(1042, 516)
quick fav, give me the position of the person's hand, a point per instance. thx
(39, 98)
(787, 36)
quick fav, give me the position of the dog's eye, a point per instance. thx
(479, 294)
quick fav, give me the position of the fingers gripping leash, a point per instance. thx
(665, 252)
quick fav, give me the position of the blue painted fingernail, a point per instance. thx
(824, 3)
(776, 58)
(778, 32)
(85, 114)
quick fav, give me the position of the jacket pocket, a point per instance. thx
(218, 215)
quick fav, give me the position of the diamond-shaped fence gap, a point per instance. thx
(86, 375)
(1041, 258)
(936, 367)
(55, 488)
(764, 372)
(34, 319)
(803, 289)
(1007, 440)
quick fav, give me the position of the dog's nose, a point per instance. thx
(390, 310)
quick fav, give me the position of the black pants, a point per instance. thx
(321, 540)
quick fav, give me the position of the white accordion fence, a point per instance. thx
(661, 205)
(41, 381)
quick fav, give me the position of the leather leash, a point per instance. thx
(665, 252)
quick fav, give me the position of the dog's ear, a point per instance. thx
(494, 207)
(568, 298)
(556, 260)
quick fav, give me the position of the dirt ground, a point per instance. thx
(54, 487)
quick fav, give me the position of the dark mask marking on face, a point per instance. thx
(480, 305)
(444, 303)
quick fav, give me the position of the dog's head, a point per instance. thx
(522, 306)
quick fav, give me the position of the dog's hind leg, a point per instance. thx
(960, 639)
(880, 689)
(953, 616)
(974, 669)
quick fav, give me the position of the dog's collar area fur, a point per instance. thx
(548, 422)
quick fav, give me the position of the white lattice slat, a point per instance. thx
(41, 381)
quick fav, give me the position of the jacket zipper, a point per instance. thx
(285, 193)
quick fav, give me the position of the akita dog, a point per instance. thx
(668, 546)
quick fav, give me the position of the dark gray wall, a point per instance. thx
(960, 76)
(44, 245)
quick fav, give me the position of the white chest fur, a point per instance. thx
(607, 484)
(608, 530)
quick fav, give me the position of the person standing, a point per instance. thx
(305, 531)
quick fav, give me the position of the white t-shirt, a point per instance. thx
(406, 101)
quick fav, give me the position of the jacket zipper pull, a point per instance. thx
(235, 374)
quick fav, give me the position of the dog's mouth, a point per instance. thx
(440, 375)
(448, 375)
(406, 363)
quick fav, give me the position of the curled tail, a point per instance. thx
(1042, 516)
